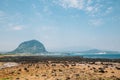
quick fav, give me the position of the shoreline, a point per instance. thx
(54, 58)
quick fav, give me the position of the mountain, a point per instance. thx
(92, 51)
(32, 46)
(99, 51)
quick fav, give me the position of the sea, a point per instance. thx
(97, 55)
(88, 55)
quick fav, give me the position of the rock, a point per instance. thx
(101, 70)
(26, 69)
(77, 74)
(9, 64)
(67, 78)
(17, 78)
(118, 68)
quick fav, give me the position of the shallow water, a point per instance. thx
(93, 55)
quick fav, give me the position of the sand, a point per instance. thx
(61, 71)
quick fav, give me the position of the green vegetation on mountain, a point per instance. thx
(32, 46)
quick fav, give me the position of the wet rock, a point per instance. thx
(18, 73)
(101, 70)
(44, 75)
(118, 68)
(88, 66)
(77, 75)
(53, 70)
(37, 75)
(112, 72)
(37, 66)
(19, 70)
(26, 69)
(94, 68)
(17, 78)
(60, 70)
(12, 72)
(67, 78)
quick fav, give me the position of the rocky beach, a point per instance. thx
(58, 68)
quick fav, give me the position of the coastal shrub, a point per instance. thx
(6, 79)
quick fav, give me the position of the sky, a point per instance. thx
(61, 25)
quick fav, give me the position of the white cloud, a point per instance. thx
(10, 22)
(96, 22)
(3, 16)
(13, 27)
(17, 28)
(34, 6)
(91, 7)
(37, 13)
(89, 2)
(47, 10)
(93, 10)
(48, 29)
(1, 13)
(79, 4)
(108, 10)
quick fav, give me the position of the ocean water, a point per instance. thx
(87, 55)
(93, 55)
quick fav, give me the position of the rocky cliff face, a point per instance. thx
(32, 46)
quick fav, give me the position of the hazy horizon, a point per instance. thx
(61, 25)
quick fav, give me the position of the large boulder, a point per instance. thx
(32, 46)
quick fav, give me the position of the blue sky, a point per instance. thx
(61, 25)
